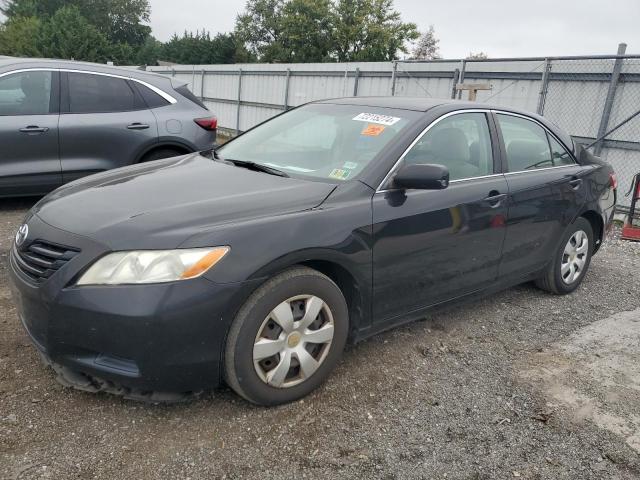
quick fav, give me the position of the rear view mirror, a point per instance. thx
(422, 177)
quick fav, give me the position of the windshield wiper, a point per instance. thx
(258, 167)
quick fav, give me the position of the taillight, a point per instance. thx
(613, 181)
(208, 123)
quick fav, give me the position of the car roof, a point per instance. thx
(423, 104)
(133, 72)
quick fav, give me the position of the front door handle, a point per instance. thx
(34, 129)
(495, 198)
(138, 126)
(575, 183)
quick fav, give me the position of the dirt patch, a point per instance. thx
(595, 375)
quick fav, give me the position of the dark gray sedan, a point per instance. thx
(62, 120)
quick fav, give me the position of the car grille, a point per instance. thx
(42, 259)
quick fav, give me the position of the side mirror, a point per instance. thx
(422, 177)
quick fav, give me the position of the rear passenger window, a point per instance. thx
(559, 154)
(151, 98)
(461, 143)
(526, 144)
(90, 93)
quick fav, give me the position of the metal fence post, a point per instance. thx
(393, 77)
(239, 101)
(463, 67)
(544, 86)
(286, 90)
(456, 75)
(355, 82)
(611, 94)
(202, 85)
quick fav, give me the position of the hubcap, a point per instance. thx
(293, 341)
(574, 257)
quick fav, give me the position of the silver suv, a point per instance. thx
(62, 120)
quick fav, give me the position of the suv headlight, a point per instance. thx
(152, 266)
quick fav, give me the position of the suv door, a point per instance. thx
(104, 124)
(546, 192)
(29, 105)
(434, 245)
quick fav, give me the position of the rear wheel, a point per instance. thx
(287, 337)
(571, 261)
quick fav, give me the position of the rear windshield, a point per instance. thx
(185, 92)
(332, 142)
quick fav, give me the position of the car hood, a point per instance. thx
(160, 204)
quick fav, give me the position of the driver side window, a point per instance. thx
(461, 142)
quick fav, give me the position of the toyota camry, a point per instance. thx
(255, 264)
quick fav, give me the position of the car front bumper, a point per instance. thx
(135, 338)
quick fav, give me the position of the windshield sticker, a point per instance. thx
(350, 165)
(375, 118)
(339, 174)
(372, 130)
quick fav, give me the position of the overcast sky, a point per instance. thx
(501, 28)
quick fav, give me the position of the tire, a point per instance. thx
(262, 381)
(161, 153)
(558, 280)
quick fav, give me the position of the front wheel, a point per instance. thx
(287, 337)
(571, 261)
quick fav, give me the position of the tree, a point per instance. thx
(121, 21)
(477, 56)
(427, 47)
(370, 30)
(201, 48)
(69, 35)
(21, 37)
(323, 30)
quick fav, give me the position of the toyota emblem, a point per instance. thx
(21, 234)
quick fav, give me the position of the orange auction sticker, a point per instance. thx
(373, 130)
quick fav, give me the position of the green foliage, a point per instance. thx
(69, 35)
(200, 48)
(121, 21)
(21, 37)
(324, 30)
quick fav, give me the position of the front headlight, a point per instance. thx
(152, 266)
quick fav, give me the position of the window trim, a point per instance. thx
(392, 171)
(548, 132)
(157, 90)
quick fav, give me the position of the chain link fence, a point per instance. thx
(596, 99)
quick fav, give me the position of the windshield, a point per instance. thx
(322, 141)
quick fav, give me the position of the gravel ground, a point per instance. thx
(520, 385)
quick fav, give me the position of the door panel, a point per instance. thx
(29, 161)
(104, 124)
(94, 142)
(431, 246)
(541, 205)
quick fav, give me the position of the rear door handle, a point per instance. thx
(495, 198)
(138, 126)
(34, 129)
(575, 183)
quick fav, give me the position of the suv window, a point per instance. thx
(461, 142)
(525, 142)
(25, 93)
(151, 98)
(90, 93)
(559, 154)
